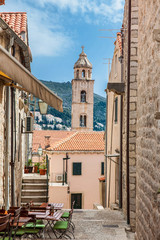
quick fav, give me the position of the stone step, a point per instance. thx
(35, 199)
(37, 186)
(37, 180)
(34, 192)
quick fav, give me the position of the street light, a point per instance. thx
(43, 107)
(40, 151)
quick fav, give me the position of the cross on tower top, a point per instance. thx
(82, 48)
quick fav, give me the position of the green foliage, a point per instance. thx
(29, 164)
(43, 165)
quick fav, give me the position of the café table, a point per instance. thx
(51, 219)
(39, 214)
(56, 206)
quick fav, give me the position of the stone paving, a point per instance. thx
(100, 225)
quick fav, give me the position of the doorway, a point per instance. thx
(77, 197)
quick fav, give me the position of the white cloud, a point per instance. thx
(46, 36)
(105, 8)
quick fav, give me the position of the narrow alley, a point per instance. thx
(100, 225)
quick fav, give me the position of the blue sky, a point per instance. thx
(58, 29)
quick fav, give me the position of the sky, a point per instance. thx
(58, 28)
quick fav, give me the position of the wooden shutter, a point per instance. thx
(77, 168)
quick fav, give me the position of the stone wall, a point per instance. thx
(148, 128)
(133, 109)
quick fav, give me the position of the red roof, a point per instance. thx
(55, 137)
(69, 140)
(16, 20)
(119, 39)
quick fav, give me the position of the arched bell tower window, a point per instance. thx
(89, 74)
(77, 74)
(83, 73)
(83, 120)
(83, 96)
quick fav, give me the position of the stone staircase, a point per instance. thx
(34, 188)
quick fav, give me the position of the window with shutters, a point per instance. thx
(116, 110)
(77, 168)
(102, 168)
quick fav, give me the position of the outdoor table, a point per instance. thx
(39, 215)
(51, 219)
(56, 206)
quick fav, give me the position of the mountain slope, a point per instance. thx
(64, 91)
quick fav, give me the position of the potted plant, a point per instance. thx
(43, 166)
(42, 169)
(29, 165)
(26, 170)
(36, 167)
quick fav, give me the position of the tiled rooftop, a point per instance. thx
(119, 39)
(16, 20)
(69, 140)
(82, 141)
(55, 137)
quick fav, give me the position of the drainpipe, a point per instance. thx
(7, 148)
(12, 149)
(121, 128)
(128, 109)
(106, 151)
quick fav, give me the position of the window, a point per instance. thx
(115, 64)
(83, 120)
(77, 74)
(116, 110)
(102, 168)
(83, 73)
(77, 168)
(83, 96)
(89, 74)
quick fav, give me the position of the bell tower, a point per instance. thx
(82, 94)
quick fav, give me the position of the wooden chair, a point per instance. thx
(5, 227)
(67, 216)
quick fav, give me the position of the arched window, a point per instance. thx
(83, 96)
(83, 73)
(89, 74)
(83, 120)
(77, 74)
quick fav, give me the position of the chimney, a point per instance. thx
(47, 141)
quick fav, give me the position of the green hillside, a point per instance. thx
(64, 91)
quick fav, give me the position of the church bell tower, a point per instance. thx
(82, 94)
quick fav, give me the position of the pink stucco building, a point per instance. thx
(81, 171)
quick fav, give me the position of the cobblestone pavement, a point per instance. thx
(100, 225)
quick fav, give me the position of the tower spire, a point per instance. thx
(82, 48)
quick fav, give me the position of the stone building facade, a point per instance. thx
(148, 122)
(113, 127)
(132, 111)
(141, 107)
(82, 95)
(13, 110)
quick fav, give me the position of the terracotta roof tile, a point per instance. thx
(16, 20)
(119, 39)
(101, 178)
(82, 141)
(69, 140)
(55, 137)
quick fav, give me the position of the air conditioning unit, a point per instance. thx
(59, 178)
(29, 124)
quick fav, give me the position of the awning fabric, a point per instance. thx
(19, 74)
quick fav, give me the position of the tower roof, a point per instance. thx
(83, 61)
